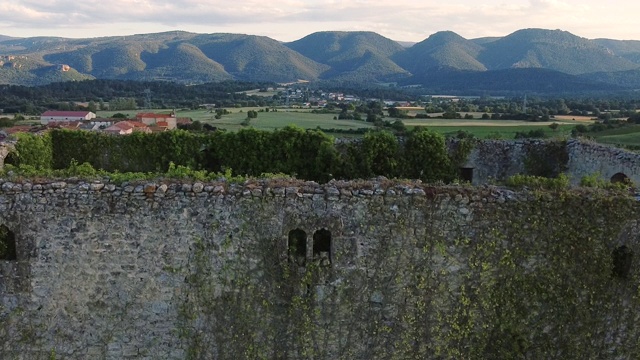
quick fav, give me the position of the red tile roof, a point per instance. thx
(127, 124)
(123, 125)
(137, 124)
(65, 113)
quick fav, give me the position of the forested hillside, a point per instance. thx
(339, 57)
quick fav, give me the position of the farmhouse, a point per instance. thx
(127, 127)
(55, 116)
(163, 120)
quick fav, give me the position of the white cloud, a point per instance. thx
(291, 19)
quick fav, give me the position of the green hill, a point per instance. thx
(514, 80)
(628, 49)
(358, 56)
(35, 73)
(485, 40)
(551, 49)
(5, 38)
(182, 61)
(339, 47)
(56, 73)
(355, 58)
(629, 79)
(370, 68)
(258, 58)
(444, 49)
(187, 57)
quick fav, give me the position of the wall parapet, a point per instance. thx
(292, 269)
(333, 190)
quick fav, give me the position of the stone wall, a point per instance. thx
(587, 158)
(5, 148)
(291, 270)
(496, 160)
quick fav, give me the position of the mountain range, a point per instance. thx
(529, 59)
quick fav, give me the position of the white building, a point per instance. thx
(53, 116)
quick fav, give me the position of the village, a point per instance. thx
(87, 120)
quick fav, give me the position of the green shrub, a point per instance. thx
(84, 170)
(538, 182)
(33, 150)
(596, 181)
(593, 180)
(306, 154)
(426, 157)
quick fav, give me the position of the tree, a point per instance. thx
(553, 126)
(426, 156)
(379, 154)
(394, 112)
(123, 104)
(5, 122)
(451, 115)
(92, 106)
(252, 114)
(399, 126)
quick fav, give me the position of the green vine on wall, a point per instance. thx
(547, 159)
(533, 279)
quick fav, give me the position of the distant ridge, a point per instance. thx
(352, 55)
(358, 57)
(551, 49)
(442, 50)
(5, 37)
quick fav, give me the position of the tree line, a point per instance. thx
(305, 154)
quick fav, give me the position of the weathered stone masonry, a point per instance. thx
(174, 271)
(496, 160)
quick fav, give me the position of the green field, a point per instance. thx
(505, 129)
(265, 121)
(274, 120)
(628, 135)
(501, 132)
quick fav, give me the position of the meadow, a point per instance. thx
(628, 135)
(304, 118)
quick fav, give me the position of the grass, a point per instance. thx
(274, 120)
(480, 122)
(257, 92)
(501, 132)
(304, 118)
(626, 139)
(628, 135)
(265, 121)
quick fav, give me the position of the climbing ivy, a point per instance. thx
(547, 159)
(527, 279)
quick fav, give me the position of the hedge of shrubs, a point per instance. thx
(305, 154)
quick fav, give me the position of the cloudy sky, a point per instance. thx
(287, 20)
